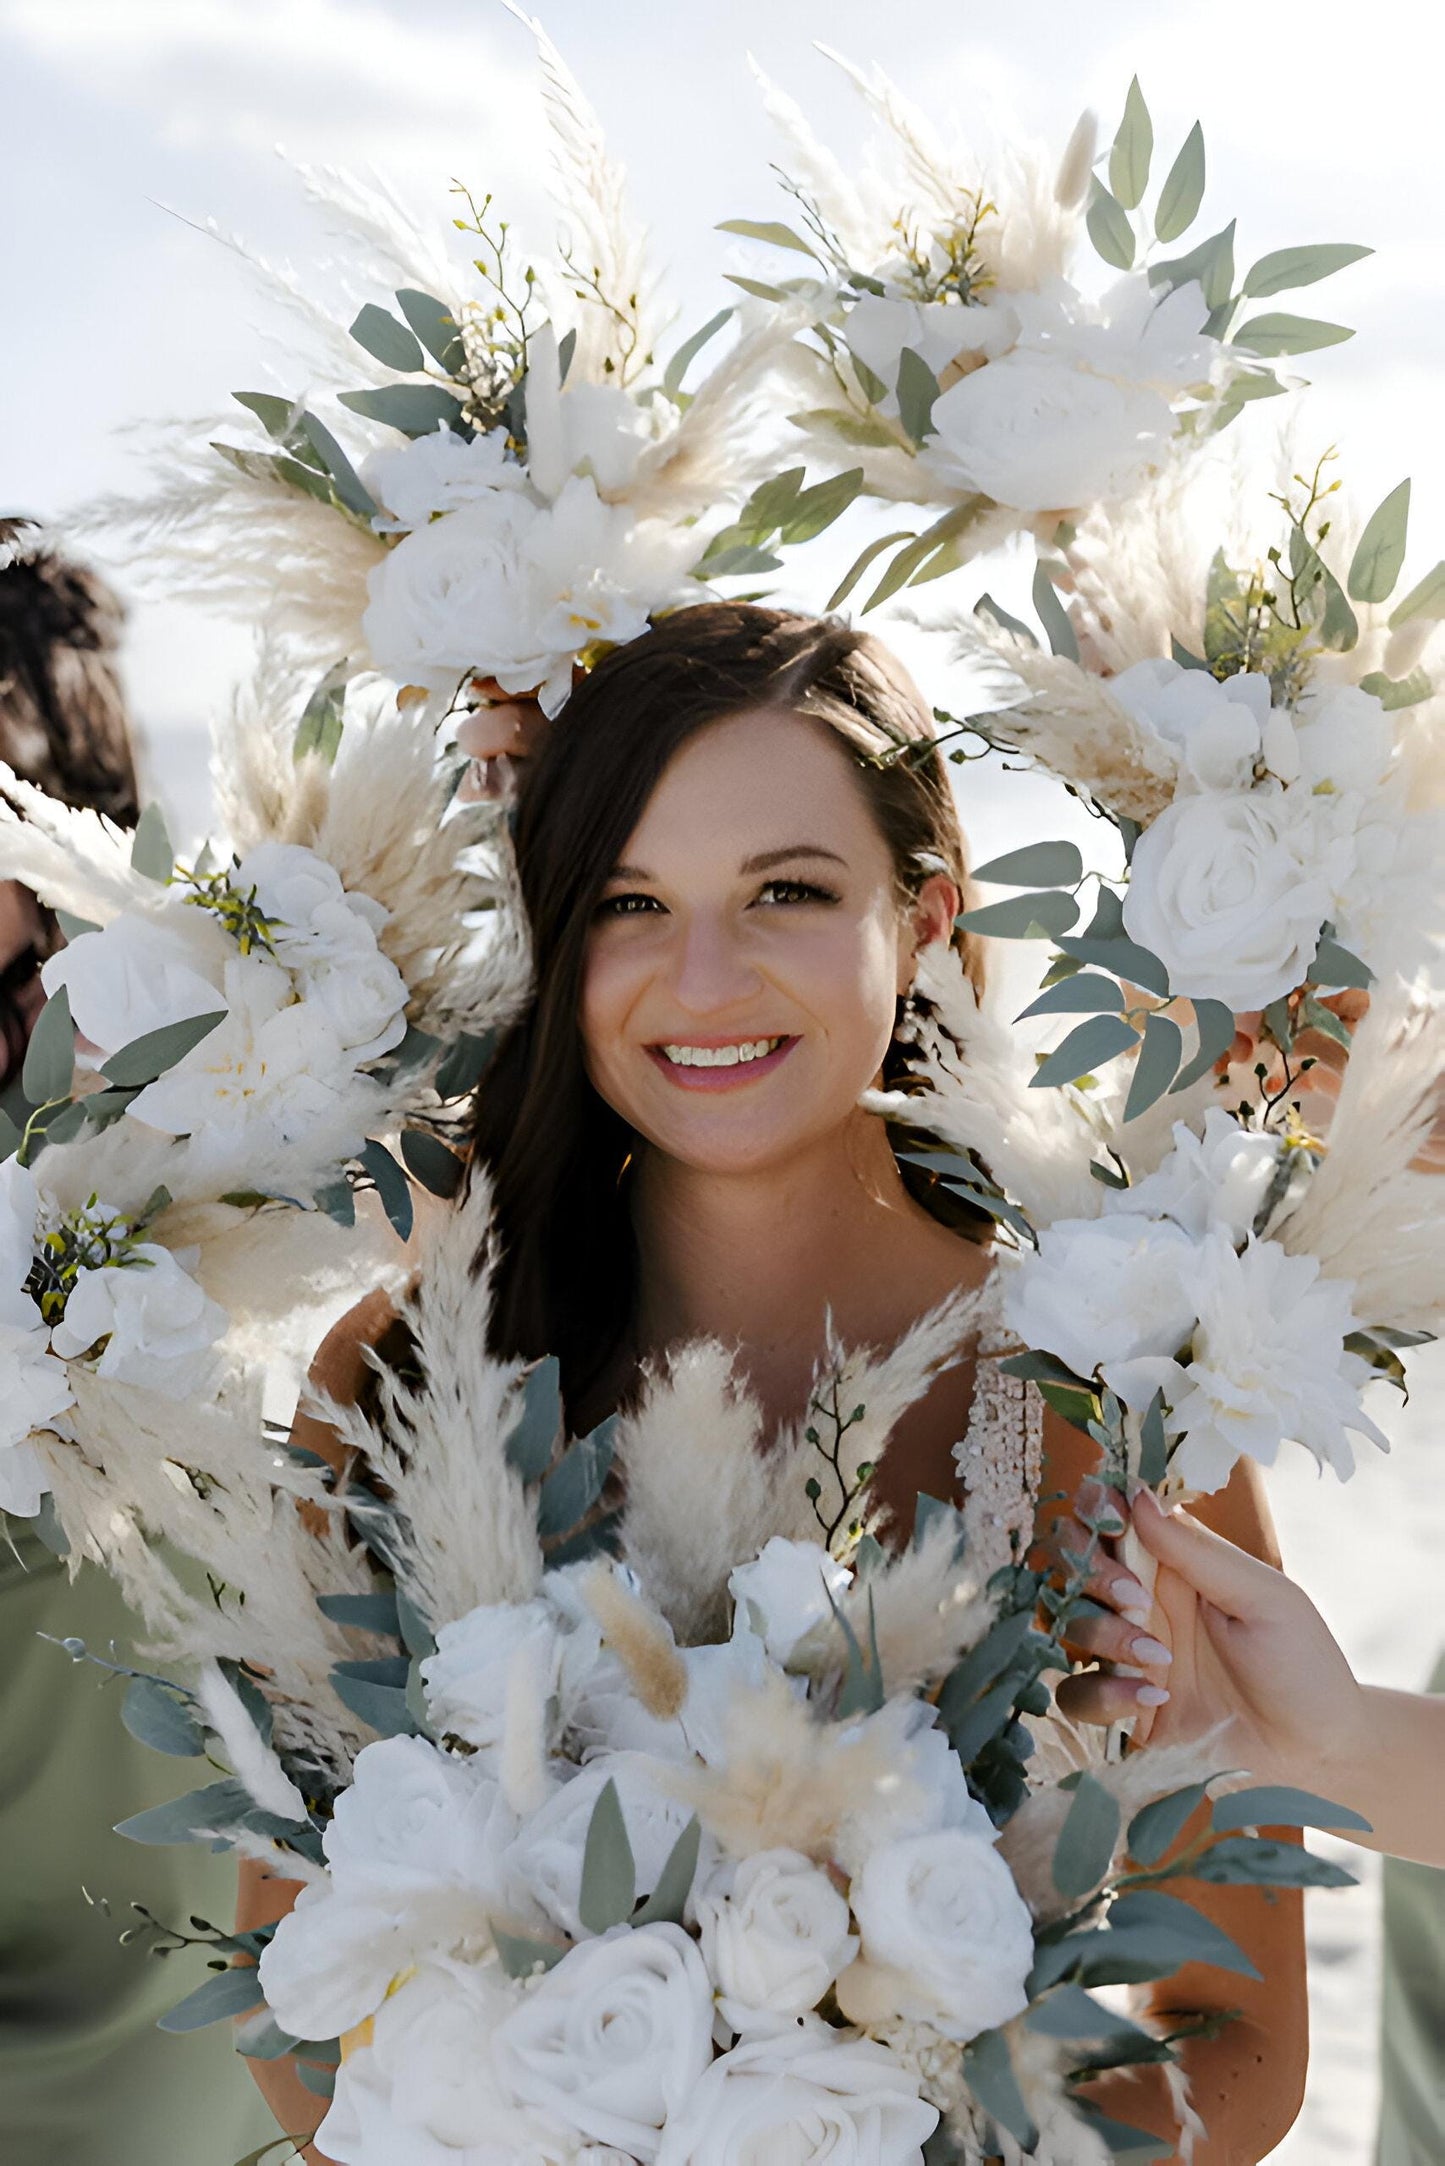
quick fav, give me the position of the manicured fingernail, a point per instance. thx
(1142, 1494)
(1150, 1650)
(1150, 1695)
(1128, 1589)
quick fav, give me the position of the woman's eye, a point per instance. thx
(795, 891)
(627, 906)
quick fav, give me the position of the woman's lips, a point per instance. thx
(722, 1077)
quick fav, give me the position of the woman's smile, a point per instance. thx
(720, 1064)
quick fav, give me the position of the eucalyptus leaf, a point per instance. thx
(151, 854)
(1053, 616)
(772, 231)
(1393, 693)
(320, 2080)
(690, 348)
(991, 2078)
(1123, 956)
(338, 1200)
(915, 555)
(1038, 864)
(575, 1484)
(151, 1055)
(1214, 1023)
(995, 613)
(1157, 1065)
(65, 1126)
(1087, 1047)
(189, 1819)
(850, 428)
(1276, 1805)
(983, 1665)
(391, 1185)
(521, 1957)
(428, 1160)
(1085, 1845)
(1285, 269)
(274, 466)
(1110, 228)
(280, 418)
(917, 391)
(534, 1440)
(929, 1512)
(861, 563)
(382, 1706)
(1070, 2012)
(1040, 916)
(1210, 261)
(362, 1612)
(350, 489)
(816, 508)
(1121, 2138)
(225, 1993)
(387, 341)
(72, 926)
(1335, 965)
(1132, 150)
(609, 1874)
(323, 718)
(1183, 190)
(49, 1067)
(1426, 599)
(668, 1900)
(413, 409)
(1153, 1443)
(1157, 1827)
(1276, 333)
(157, 1716)
(1082, 993)
(1380, 556)
(436, 327)
(461, 1069)
(1257, 1862)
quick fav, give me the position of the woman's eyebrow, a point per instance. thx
(765, 861)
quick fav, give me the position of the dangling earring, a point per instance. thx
(905, 1026)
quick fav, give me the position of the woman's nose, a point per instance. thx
(711, 970)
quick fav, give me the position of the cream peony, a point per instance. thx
(805, 2097)
(1105, 1293)
(941, 1915)
(1228, 891)
(1216, 729)
(612, 2041)
(1218, 1179)
(130, 978)
(775, 1942)
(788, 1589)
(438, 473)
(154, 1323)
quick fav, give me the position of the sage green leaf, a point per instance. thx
(65, 1126)
(391, 1185)
(1053, 616)
(362, 1612)
(151, 854)
(462, 1068)
(1157, 1065)
(912, 558)
(816, 508)
(668, 1900)
(349, 487)
(323, 719)
(1277, 333)
(1183, 190)
(757, 287)
(298, 473)
(1085, 1846)
(1427, 599)
(861, 563)
(609, 1875)
(1274, 1805)
(161, 1718)
(771, 230)
(280, 418)
(1081, 993)
(429, 1161)
(917, 391)
(1038, 864)
(1070, 2012)
(690, 348)
(320, 2080)
(1123, 956)
(152, 1054)
(413, 409)
(1153, 1443)
(387, 340)
(534, 1440)
(189, 1819)
(1380, 556)
(225, 1993)
(1339, 627)
(1110, 228)
(1393, 693)
(382, 1706)
(1157, 1827)
(1257, 1862)
(852, 428)
(72, 926)
(9, 1137)
(1103, 1038)
(1285, 269)
(983, 1665)
(521, 1957)
(1335, 965)
(50, 1056)
(1214, 1023)
(436, 327)
(1042, 916)
(991, 2078)
(995, 613)
(338, 1200)
(569, 1492)
(771, 503)
(1122, 2139)
(1133, 148)
(1211, 262)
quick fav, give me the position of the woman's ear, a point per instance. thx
(930, 918)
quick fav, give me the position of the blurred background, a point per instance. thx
(131, 126)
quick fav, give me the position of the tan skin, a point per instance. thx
(758, 905)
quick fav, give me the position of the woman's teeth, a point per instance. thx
(720, 1056)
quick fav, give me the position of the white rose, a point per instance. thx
(803, 2098)
(363, 999)
(925, 1790)
(331, 1960)
(1228, 892)
(34, 1390)
(546, 1858)
(1039, 434)
(439, 473)
(1218, 1179)
(1105, 1293)
(1216, 729)
(291, 884)
(942, 1916)
(416, 1823)
(614, 2038)
(777, 1940)
(157, 1322)
(785, 1592)
(133, 977)
(1268, 1362)
(485, 1661)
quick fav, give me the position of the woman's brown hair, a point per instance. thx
(554, 1151)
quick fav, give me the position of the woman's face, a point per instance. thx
(748, 952)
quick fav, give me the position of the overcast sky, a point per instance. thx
(121, 112)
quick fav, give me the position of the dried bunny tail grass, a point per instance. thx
(72, 858)
(925, 1609)
(786, 1781)
(641, 1640)
(253, 1763)
(698, 1489)
(465, 1531)
(976, 1069)
(1365, 1216)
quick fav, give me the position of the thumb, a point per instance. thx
(1226, 1577)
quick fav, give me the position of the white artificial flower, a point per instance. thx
(614, 2038)
(157, 1324)
(1346, 740)
(1268, 1362)
(805, 2097)
(130, 978)
(1216, 729)
(332, 1959)
(605, 433)
(878, 327)
(1105, 1293)
(518, 591)
(363, 999)
(315, 918)
(775, 1942)
(503, 1656)
(925, 1789)
(788, 1589)
(19, 1218)
(34, 1390)
(1218, 1179)
(1230, 891)
(438, 473)
(941, 1917)
(546, 1857)
(417, 1821)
